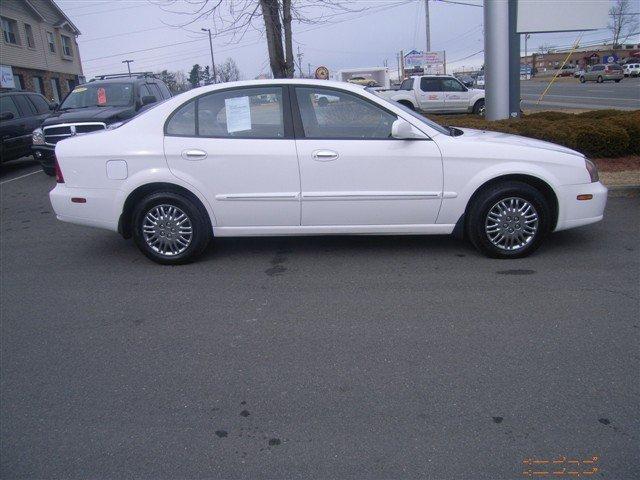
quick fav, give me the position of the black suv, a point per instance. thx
(20, 114)
(93, 106)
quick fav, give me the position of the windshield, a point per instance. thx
(100, 95)
(439, 128)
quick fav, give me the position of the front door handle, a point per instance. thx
(194, 154)
(324, 155)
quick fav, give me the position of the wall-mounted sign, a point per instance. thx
(322, 73)
(6, 77)
(562, 16)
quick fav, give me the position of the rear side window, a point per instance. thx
(430, 84)
(183, 121)
(155, 91)
(8, 105)
(407, 84)
(166, 93)
(39, 103)
(242, 113)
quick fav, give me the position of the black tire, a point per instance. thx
(201, 228)
(487, 198)
(618, 81)
(409, 105)
(478, 108)
(51, 171)
(600, 79)
(582, 79)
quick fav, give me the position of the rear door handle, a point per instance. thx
(194, 154)
(324, 155)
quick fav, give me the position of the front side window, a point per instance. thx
(67, 49)
(51, 42)
(243, 113)
(29, 33)
(333, 114)
(452, 85)
(100, 95)
(10, 31)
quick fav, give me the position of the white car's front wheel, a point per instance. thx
(508, 220)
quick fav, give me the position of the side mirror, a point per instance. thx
(53, 106)
(147, 99)
(6, 115)
(403, 130)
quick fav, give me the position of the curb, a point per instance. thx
(624, 191)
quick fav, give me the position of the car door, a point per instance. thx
(14, 132)
(237, 147)
(456, 95)
(430, 95)
(352, 172)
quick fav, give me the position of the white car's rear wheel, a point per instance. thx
(170, 228)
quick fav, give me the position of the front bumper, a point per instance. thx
(575, 213)
(44, 154)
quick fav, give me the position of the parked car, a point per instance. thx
(213, 163)
(480, 80)
(436, 94)
(466, 80)
(20, 114)
(579, 72)
(631, 69)
(567, 71)
(96, 105)
(603, 73)
(367, 82)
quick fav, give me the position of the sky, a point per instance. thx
(369, 33)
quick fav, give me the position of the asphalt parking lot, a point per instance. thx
(571, 94)
(326, 357)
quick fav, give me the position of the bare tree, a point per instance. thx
(234, 18)
(623, 20)
(228, 71)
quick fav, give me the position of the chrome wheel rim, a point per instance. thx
(167, 230)
(511, 224)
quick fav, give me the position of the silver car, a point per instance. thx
(603, 73)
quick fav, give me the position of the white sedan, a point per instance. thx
(313, 157)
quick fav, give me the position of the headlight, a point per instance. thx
(37, 137)
(592, 169)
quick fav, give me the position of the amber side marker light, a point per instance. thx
(586, 196)
(78, 200)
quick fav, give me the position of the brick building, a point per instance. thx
(582, 57)
(38, 48)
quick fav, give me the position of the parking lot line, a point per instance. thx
(21, 176)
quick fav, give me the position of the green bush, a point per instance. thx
(600, 133)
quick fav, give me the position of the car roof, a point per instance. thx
(19, 92)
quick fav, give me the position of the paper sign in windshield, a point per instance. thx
(238, 113)
(79, 89)
(102, 96)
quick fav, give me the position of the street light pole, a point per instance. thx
(427, 27)
(128, 67)
(213, 64)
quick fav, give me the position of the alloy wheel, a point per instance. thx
(512, 223)
(167, 230)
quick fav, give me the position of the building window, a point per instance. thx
(52, 42)
(18, 81)
(29, 34)
(66, 46)
(55, 86)
(10, 31)
(38, 85)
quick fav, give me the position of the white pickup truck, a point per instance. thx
(436, 94)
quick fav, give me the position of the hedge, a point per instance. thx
(599, 133)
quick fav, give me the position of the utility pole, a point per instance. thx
(309, 67)
(526, 60)
(300, 55)
(128, 67)
(213, 63)
(427, 27)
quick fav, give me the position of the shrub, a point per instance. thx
(601, 140)
(551, 116)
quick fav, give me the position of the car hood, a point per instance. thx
(473, 135)
(94, 114)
